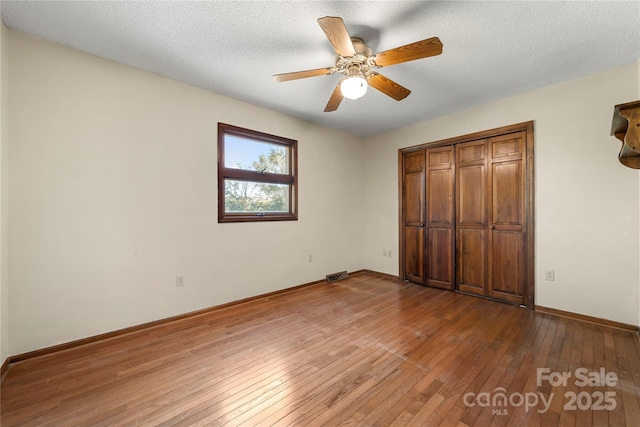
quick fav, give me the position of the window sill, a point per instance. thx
(252, 217)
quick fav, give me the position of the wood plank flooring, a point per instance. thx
(365, 351)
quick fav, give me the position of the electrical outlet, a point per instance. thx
(389, 253)
(385, 252)
(549, 275)
(310, 259)
(179, 280)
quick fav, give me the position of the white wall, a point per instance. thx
(586, 203)
(113, 192)
(4, 171)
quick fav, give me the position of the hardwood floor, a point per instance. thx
(363, 351)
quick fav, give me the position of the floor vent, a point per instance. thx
(337, 276)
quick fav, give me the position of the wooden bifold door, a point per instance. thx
(467, 214)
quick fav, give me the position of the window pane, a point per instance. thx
(246, 196)
(247, 154)
(256, 176)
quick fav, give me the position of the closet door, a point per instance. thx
(440, 217)
(413, 215)
(491, 217)
(507, 218)
(467, 214)
(471, 216)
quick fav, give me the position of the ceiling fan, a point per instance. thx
(357, 64)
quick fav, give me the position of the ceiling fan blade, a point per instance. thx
(335, 100)
(337, 34)
(409, 52)
(388, 87)
(302, 74)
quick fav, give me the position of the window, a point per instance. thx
(257, 176)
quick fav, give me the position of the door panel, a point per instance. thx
(440, 257)
(472, 261)
(506, 276)
(440, 217)
(508, 145)
(414, 199)
(471, 181)
(440, 158)
(440, 197)
(507, 207)
(471, 152)
(414, 254)
(414, 162)
(413, 216)
(471, 196)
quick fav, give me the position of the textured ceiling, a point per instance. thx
(492, 50)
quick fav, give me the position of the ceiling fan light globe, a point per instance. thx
(353, 87)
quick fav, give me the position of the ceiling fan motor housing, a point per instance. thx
(360, 63)
(360, 47)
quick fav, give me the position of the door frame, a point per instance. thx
(528, 128)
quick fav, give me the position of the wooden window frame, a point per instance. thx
(225, 173)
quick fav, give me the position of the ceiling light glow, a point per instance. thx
(353, 87)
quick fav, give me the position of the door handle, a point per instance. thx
(491, 227)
